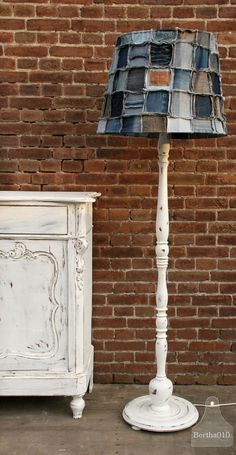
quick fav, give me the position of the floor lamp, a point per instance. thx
(164, 84)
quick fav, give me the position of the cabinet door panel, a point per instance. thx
(33, 310)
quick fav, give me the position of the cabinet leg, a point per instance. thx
(77, 406)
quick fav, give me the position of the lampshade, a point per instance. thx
(164, 81)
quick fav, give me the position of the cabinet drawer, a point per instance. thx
(31, 219)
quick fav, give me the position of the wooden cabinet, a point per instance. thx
(46, 294)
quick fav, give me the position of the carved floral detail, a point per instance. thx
(20, 251)
(80, 248)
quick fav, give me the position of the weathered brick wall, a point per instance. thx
(53, 63)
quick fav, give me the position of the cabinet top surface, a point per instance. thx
(47, 196)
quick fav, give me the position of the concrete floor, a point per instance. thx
(44, 426)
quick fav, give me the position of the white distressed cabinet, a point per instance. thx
(46, 294)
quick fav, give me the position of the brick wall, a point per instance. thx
(53, 63)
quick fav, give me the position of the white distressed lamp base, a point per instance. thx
(177, 415)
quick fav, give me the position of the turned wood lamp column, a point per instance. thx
(160, 382)
(163, 84)
(160, 410)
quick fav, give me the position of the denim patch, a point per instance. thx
(158, 78)
(178, 125)
(120, 81)
(138, 51)
(203, 39)
(131, 125)
(138, 62)
(202, 126)
(107, 106)
(142, 37)
(201, 58)
(201, 82)
(138, 56)
(134, 103)
(213, 44)
(164, 35)
(158, 102)
(119, 41)
(219, 127)
(214, 62)
(101, 126)
(215, 80)
(113, 66)
(181, 104)
(154, 123)
(161, 54)
(182, 79)
(187, 35)
(203, 106)
(116, 104)
(123, 57)
(218, 106)
(110, 84)
(113, 126)
(136, 78)
(183, 56)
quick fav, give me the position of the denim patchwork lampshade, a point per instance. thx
(164, 81)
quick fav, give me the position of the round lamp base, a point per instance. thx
(177, 415)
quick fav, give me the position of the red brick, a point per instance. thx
(49, 64)
(48, 24)
(183, 12)
(137, 12)
(26, 51)
(13, 76)
(72, 64)
(47, 38)
(222, 323)
(161, 11)
(70, 38)
(46, 11)
(46, 76)
(27, 63)
(23, 37)
(221, 26)
(6, 37)
(24, 10)
(68, 11)
(114, 12)
(12, 24)
(86, 25)
(208, 346)
(7, 63)
(207, 12)
(92, 11)
(71, 51)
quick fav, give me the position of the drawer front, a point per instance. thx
(31, 219)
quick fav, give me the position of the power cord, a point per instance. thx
(213, 405)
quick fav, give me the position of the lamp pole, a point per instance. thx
(160, 410)
(160, 387)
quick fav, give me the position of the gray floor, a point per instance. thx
(44, 426)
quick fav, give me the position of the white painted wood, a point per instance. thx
(33, 220)
(45, 301)
(77, 406)
(47, 196)
(160, 410)
(33, 305)
(178, 415)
